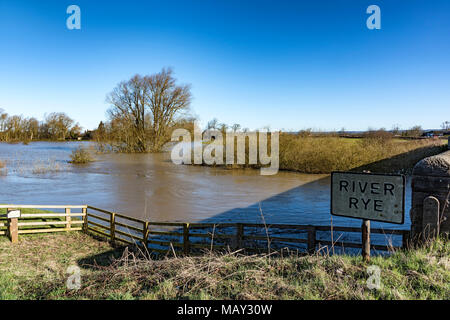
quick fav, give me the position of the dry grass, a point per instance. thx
(3, 169)
(80, 156)
(45, 167)
(324, 155)
(33, 271)
(376, 152)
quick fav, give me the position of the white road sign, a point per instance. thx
(369, 196)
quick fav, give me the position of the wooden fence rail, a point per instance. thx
(163, 236)
(35, 220)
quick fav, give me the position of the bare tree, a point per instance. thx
(167, 101)
(32, 128)
(236, 127)
(144, 109)
(445, 125)
(415, 131)
(212, 124)
(58, 125)
(129, 101)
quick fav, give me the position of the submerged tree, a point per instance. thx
(144, 109)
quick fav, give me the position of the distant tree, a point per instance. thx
(305, 132)
(75, 131)
(15, 126)
(32, 128)
(415, 131)
(3, 121)
(223, 127)
(381, 135)
(58, 125)
(395, 129)
(445, 125)
(236, 127)
(212, 124)
(100, 134)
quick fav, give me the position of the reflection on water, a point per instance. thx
(150, 186)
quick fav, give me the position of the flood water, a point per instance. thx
(151, 187)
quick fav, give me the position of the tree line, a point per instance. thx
(55, 126)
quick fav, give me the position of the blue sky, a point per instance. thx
(286, 64)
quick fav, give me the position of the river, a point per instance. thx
(151, 187)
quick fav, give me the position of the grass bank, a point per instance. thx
(327, 154)
(36, 268)
(308, 154)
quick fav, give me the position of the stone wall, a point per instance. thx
(430, 208)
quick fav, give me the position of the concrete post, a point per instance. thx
(430, 217)
(430, 209)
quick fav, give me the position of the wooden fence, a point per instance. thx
(187, 237)
(35, 220)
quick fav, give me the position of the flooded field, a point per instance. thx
(151, 187)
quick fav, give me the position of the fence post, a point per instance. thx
(145, 235)
(13, 228)
(85, 220)
(311, 239)
(186, 244)
(239, 236)
(68, 220)
(112, 227)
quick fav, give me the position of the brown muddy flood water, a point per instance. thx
(151, 187)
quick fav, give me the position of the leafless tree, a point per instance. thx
(144, 109)
(129, 103)
(236, 127)
(167, 101)
(212, 124)
(58, 125)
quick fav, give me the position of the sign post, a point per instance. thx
(368, 196)
(365, 237)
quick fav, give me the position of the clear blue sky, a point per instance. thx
(286, 64)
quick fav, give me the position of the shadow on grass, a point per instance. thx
(402, 163)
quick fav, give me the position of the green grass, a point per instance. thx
(36, 268)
